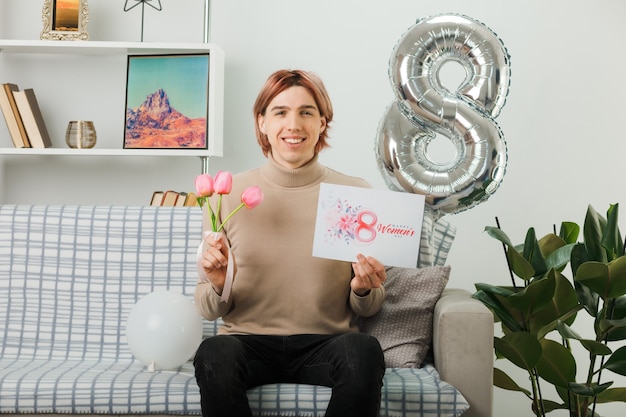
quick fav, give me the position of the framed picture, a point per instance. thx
(167, 100)
(65, 20)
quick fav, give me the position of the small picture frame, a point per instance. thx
(167, 101)
(65, 20)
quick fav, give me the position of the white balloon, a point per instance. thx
(164, 330)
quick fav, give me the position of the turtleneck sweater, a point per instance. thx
(279, 287)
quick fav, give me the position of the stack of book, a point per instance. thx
(23, 117)
(174, 198)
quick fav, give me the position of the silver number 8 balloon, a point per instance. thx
(424, 108)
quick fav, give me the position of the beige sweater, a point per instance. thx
(279, 287)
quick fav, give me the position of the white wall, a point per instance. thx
(561, 120)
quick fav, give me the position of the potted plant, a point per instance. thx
(539, 310)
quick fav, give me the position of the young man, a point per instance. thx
(289, 315)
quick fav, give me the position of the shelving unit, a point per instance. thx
(117, 49)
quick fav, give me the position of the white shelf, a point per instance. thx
(104, 152)
(104, 48)
(101, 47)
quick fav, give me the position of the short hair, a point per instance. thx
(278, 82)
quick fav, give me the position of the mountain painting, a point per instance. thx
(166, 102)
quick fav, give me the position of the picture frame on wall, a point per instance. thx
(167, 101)
(65, 20)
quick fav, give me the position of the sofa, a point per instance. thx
(70, 276)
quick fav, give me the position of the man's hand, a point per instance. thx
(368, 274)
(215, 260)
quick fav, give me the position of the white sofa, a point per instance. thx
(69, 276)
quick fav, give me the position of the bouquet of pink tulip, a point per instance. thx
(222, 184)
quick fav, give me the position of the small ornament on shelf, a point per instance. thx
(65, 20)
(80, 134)
(143, 3)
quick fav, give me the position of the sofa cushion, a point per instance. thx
(126, 387)
(403, 326)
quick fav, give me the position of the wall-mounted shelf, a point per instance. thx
(103, 152)
(100, 48)
(105, 48)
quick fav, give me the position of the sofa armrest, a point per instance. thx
(463, 348)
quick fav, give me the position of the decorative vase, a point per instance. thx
(80, 134)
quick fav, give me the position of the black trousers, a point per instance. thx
(352, 364)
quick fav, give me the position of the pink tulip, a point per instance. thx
(223, 182)
(204, 185)
(252, 197)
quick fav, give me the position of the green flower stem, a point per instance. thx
(229, 216)
(219, 206)
(212, 215)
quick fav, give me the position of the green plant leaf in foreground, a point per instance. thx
(592, 233)
(557, 364)
(608, 280)
(492, 297)
(593, 347)
(612, 239)
(533, 253)
(617, 361)
(612, 394)
(569, 232)
(521, 348)
(517, 263)
(535, 295)
(591, 390)
(502, 380)
(563, 306)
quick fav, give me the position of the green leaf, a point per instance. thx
(535, 295)
(579, 257)
(532, 253)
(613, 330)
(488, 295)
(519, 265)
(591, 390)
(592, 346)
(567, 317)
(616, 328)
(587, 298)
(549, 406)
(560, 257)
(569, 232)
(504, 381)
(607, 280)
(521, 348)
(498, 234)
(612, 395)
(612, 239)
(562, 306)
(592, 233)
(549, 243)
(617, 361)
(557, 364)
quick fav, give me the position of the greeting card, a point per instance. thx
(380, 223)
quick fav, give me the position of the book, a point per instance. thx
(182, 197)
(32, 118)
(191, 200)
(12, 116)
(157, 198)
(169, 198)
